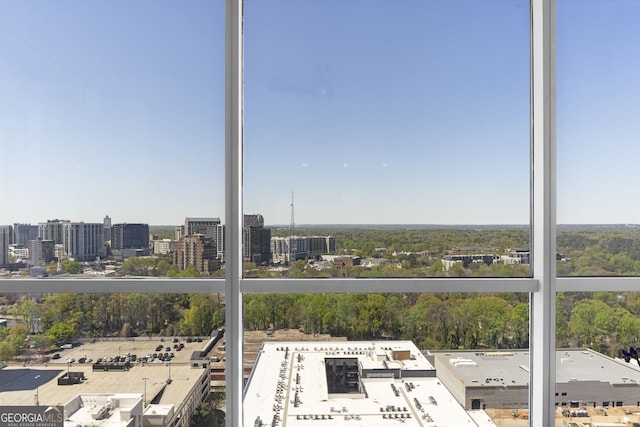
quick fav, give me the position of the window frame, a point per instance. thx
(542, 287)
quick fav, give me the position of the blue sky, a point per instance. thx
(374, 111)
(598, 110)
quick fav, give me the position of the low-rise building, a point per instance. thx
(152, 393)
(499, 379)
(349, 383)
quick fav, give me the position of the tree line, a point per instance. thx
(604, 321)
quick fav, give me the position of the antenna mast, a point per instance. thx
(292, 228)
(292, 224)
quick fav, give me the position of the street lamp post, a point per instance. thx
(144, 396)
(37, 386)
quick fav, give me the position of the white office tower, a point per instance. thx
(84, 241)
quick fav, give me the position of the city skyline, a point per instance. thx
(372, 115)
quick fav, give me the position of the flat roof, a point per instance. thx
(18, 383)
(289, 385)
(119, 411)
(511, 367)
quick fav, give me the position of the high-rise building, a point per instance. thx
(179, 232)
(5, 234)
(199, 225)
(107, 228)
(41, 251)
(130, 236)
(256, 240)
(24, 233)
(83, 241)
(53, 229)
(129, 240)
(197, 251)
(286, 249)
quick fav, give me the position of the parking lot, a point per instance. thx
(134, 350)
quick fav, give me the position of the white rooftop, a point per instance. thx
(103, 409)
(348, 383)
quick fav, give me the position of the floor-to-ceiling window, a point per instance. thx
(421, 117)
(597, 236)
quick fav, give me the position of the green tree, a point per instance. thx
(60, 333)
(71, 267)
(199, 318)
(17, 338)
(136, 266)
(592, 323)
(28, 312)
(7, 351)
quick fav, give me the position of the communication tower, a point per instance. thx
(292, 229)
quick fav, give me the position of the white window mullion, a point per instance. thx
(114, 286)
(543, 308)
(389, 285)
(233, 209)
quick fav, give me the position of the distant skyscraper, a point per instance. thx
(179, 232)
(197, 251)
(130, 236)
(41, 251)
(199, 225)
(129, 240)
(287, 249)
(53, 229)
(5, 234)
(107, 228)
(24, 233)
(256, 240)
(83, 241)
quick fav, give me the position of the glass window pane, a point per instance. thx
(422, 358)
(386, 118)
(597, 332)
(112, 122)
(150, 353)
(597, 69)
